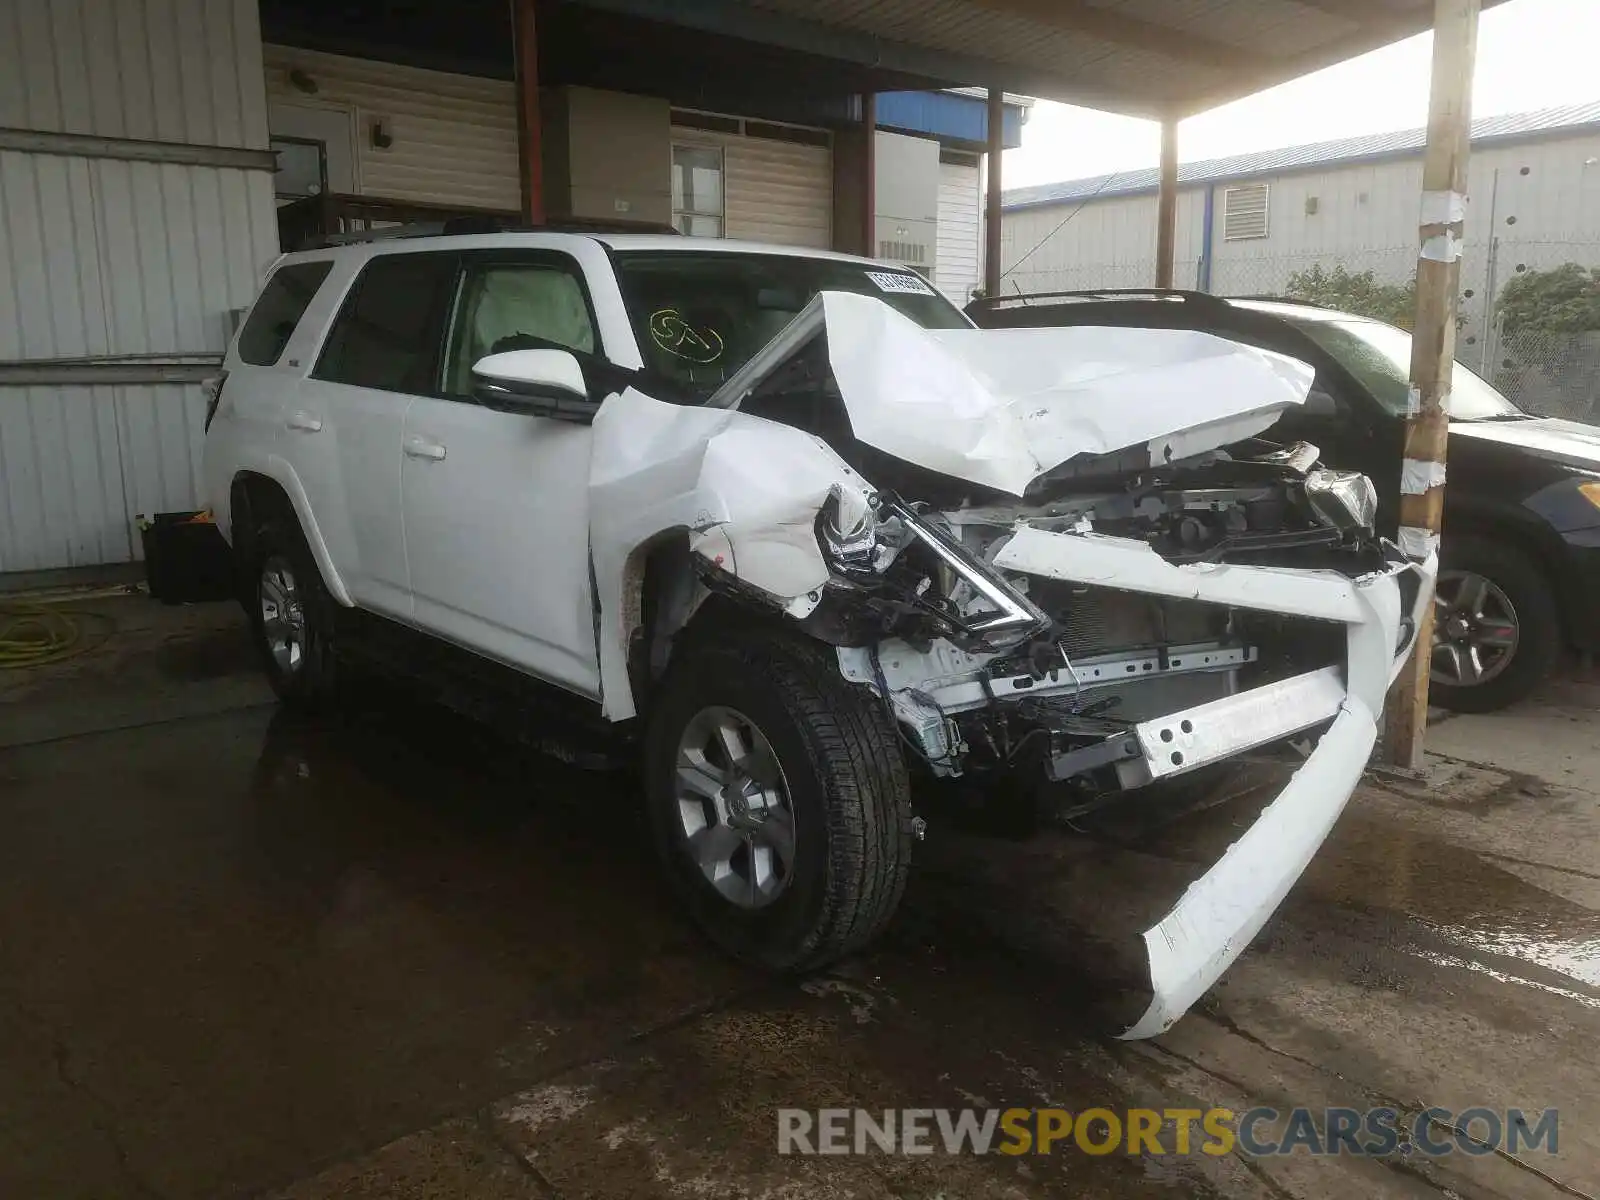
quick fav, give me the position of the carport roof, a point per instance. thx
(1143, 57)
(1151, 58)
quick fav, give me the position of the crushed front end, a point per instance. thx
(1135, 626)
(1058, 552)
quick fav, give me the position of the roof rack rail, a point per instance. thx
(455, 226)
(340, 220)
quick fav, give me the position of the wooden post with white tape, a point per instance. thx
(1433, 344)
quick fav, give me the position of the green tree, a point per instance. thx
(1356, 292)
(1564, 299)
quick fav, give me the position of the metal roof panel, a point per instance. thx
(1511, 126)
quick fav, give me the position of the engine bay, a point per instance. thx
(998, 670)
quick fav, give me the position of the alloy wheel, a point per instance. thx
(283, 615)
(1475, 630)
(733, 805)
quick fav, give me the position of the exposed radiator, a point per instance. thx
(1099, 620)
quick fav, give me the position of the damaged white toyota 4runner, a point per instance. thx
(792, 518)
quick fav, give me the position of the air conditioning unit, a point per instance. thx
(913, 247)
(905, 227)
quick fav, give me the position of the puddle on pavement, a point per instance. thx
(1464, 905)
(192, 657)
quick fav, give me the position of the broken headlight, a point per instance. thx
(848, 532)
(908, 564)
(1343, 499)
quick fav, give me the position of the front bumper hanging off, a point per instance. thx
(1223, 910)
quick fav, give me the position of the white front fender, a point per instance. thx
(746, 491)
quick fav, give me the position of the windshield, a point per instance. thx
(1379, 356)
(700, 315)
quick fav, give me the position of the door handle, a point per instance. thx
(417, 447)
(304, 422)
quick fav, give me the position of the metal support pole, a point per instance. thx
(991, 227)
(869, 174)
(1167, 204)
(1433, 343)
(530, 132)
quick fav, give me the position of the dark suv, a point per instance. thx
(1520, 571)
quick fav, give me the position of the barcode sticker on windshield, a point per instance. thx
(905, 285)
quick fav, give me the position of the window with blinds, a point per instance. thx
(1244, 212)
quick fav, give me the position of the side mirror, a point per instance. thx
(542, 383)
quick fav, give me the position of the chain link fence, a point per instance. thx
(1552, 374)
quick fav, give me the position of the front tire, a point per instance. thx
(291, 616)
(1497, 629)
(779, 800)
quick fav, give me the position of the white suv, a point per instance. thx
(786, 522)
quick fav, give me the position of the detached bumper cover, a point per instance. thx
(1223, 910)
(1219, 914)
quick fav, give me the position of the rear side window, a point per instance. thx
(278, 310)
(387, 334)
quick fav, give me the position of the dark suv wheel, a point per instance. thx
(1496, 631)
(778, 798)
(291, 614)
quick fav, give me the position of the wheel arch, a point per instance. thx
(1525, 534)
(273, 485)
(663, 603)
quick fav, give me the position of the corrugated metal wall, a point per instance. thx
(1109, 243)
(455, 136)
(1361, 215)
(960, 230)
(107, 258)
(79, 463)
(121, 258)
(158, 70)
(1366, 219)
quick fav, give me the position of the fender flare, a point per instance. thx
(279, 471)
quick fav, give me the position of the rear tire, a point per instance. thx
(1515, 582)
(800, 855)
(292, 615)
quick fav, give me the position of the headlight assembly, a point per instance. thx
(862, 538)
(1343, 499)
(847, 531)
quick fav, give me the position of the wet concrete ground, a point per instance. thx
(387, 955)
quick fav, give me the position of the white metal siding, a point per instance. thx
(776, 191)
(1366, 219)
(78, 464)
(110, 257)
(960, 231)
(156, 70)
(455, 136)
(1111, 243)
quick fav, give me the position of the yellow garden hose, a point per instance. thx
(34, 634)
(39, 630)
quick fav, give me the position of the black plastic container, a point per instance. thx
(185, 559)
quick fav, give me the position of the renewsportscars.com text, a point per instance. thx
(1256, 1132)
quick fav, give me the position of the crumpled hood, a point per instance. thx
(1000, 407)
